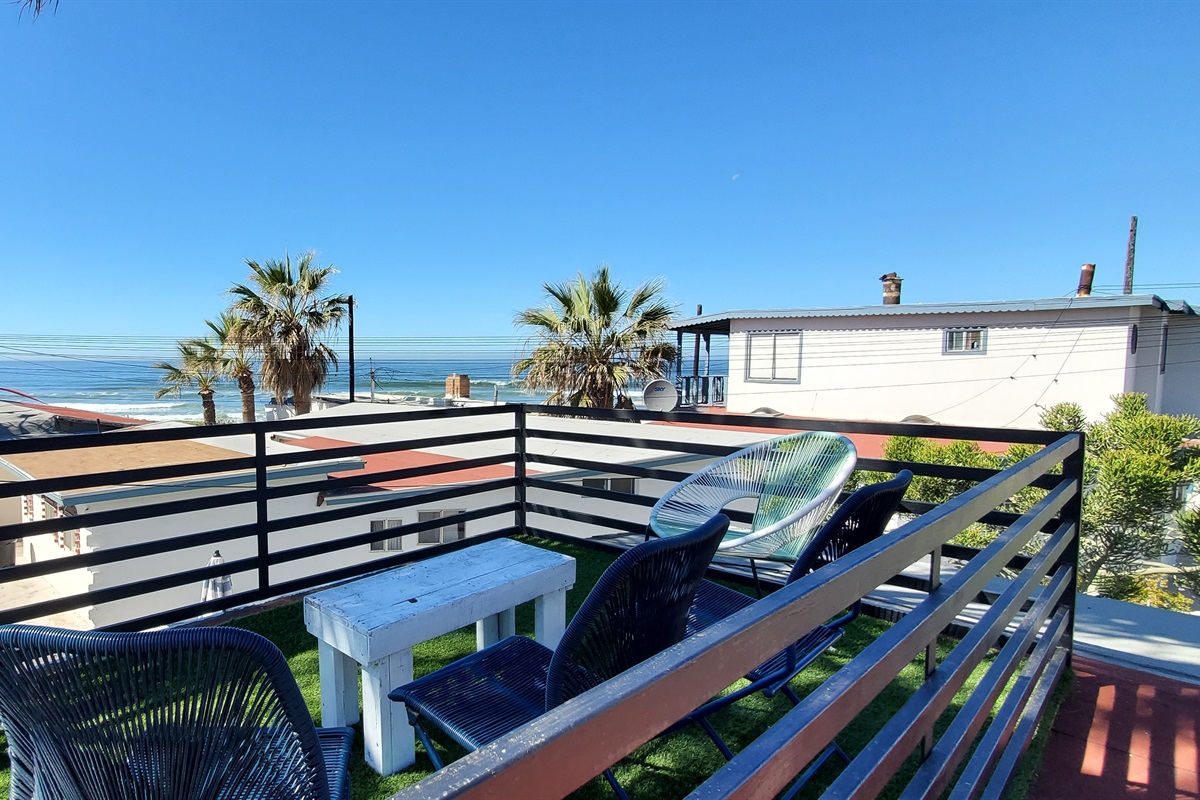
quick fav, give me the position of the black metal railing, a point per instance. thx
(514, 477)
(702, 390)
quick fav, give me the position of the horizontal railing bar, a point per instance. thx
(94, 519)
(583, 516)
(588, 491)
(1006, 435)
(1051, 669)
(346, 542)
(332, 485)
(875, 765)
(124, 591)
(123, 477)
(47, 444)
(599, 727)
(655, 473)
(189, 613)
(353, 449)
(992, 743)
(636, 442)
(124, 552)
(802, 732)
(406, 500)
(944, 471)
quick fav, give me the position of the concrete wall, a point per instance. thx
(890, 368)
(1181, 380)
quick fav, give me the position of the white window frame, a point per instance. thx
(447, 533)
(966, 349)
(779, 370)
(607, 484)
(391, 545)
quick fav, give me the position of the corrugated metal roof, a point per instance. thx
(713, 322)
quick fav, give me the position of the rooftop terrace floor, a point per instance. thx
(1122, 733)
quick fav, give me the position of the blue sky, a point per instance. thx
(449, 158)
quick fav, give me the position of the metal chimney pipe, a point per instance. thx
(891, 289)
(1086, 273)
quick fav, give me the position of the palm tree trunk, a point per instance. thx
(246, 384)
(210, 408)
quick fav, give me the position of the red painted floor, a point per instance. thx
(1123, 734)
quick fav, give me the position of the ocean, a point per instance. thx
(127, 387)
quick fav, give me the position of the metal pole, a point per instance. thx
(351, 348)
(1129, 255)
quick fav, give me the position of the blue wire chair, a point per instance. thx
(857, 521)
(794, 480)
(638, 608)
(196, 714)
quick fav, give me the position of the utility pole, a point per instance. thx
(1129, 255)
(351, 348)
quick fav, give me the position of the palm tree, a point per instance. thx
(283, 314)
(234, 358)
(36, 6)
(196, 368)
(594, 338)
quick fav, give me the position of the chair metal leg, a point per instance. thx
(830, 750)
(423, 735)
(754, 572)
(616, 786)
(716, 737)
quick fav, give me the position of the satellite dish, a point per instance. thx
(660, 396)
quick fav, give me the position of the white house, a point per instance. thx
(990, 364)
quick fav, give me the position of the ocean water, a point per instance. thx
(127, 387)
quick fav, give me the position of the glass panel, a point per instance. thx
(621, 485)
(787, 357)
(595, 483)
(760, 354)
(433, 535)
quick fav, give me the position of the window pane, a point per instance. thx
(787, 357)
(954, 340)
(974, 339)
(621, 485)
(760, 354)
(433, 535)
(595, 483)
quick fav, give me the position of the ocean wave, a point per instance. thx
(121, 408)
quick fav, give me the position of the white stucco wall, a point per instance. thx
(1181, 379)
(890, 368)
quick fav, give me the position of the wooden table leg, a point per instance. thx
(388, 739)
(550, 617)
(339, 687)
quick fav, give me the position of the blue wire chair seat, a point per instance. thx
(857, 521)
(197, 714)
(794, 480)
(638, 608)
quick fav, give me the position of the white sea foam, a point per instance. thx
(121, 408)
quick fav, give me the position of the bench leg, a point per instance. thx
(550, 617)
(387, 737)
(339, 687)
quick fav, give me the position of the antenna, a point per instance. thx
(660, 395)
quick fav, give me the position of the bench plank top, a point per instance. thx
(376, 616)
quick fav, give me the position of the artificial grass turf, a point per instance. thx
(667, 767)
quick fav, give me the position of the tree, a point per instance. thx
(593, 338)
(1134, 461)
(283, 314)
(36, 6)
(196, 368)
(234, 359)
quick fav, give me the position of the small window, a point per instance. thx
(964, 341)
(1162, 353)
(773, 357)
(447, 533)
(625, 485)
(384, 545)
(1133, 339)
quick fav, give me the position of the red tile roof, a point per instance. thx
(406, 459)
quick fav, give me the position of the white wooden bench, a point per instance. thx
(374, 622)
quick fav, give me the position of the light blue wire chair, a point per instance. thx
(195, 714)
(794, 480)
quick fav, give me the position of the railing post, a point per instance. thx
(519, 466)
(1073, 512)
(260, 503)
(931, 658)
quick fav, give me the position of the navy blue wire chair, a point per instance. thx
(638, 608)
(861, 518)
(188, 714)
